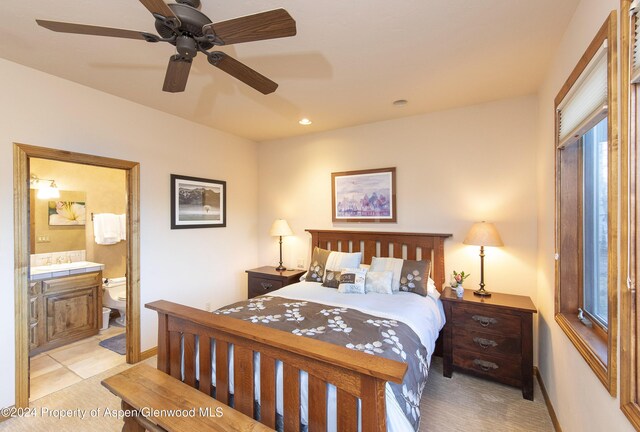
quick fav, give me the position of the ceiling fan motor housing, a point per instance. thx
(192, 3)
(191, 23)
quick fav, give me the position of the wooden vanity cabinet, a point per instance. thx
(63, 310)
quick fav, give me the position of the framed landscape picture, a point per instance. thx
(364, 196)
(198, 202)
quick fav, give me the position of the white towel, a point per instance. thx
(107, 229)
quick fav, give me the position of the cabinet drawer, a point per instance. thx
(86, 280)
(487, 342)
(504, 369)
(486, 320)
(260, 286)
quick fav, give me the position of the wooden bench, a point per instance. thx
(158, 402)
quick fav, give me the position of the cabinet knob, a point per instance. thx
(484, 321)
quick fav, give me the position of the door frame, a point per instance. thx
(21, 155)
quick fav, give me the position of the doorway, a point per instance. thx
(22, 155)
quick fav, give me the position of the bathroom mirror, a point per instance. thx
(58, 224)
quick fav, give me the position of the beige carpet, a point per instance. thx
(462, 403)
(467, 403)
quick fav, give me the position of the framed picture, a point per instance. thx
(198, 202)
(364, 196)
(67, 213)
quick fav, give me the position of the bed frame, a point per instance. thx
(356, 375)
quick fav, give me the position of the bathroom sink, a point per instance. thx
(64, 269)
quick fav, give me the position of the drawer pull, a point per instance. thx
(485, 343)
(266, 286)
(484, 321)
(485, 365)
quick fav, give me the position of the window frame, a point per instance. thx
(598, 348)
(629, 207)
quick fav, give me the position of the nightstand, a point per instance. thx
(263, 280)
(491, 337)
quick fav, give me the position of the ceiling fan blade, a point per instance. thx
(272, 24)
(84, 29)
(242, 72)
(159, 7)
(178, 69)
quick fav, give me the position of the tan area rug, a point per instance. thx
(462, 403)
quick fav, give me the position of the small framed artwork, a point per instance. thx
(364, 196)
(67, 213)
(198, 202)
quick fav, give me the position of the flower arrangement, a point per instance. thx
(458, 278)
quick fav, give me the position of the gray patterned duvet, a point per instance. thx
(350, 328)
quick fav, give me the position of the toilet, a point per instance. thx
(114, 296)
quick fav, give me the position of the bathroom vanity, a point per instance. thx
(64, 307)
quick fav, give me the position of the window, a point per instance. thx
(594, 220)
(586, 205)
(629, 207)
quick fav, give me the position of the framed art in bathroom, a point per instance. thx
(364, 196)
(198, 202)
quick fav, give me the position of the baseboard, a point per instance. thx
(547, 401)
(4, 417)
(148, 353)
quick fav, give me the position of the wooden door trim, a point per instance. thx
(21, 155)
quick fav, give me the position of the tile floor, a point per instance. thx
(61, 367)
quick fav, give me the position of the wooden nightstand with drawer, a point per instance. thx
(263, 280)
(491, 337)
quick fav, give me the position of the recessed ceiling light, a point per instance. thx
(305, 122)
(400, 102)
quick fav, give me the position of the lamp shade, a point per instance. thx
(483, 234)
(279, 228)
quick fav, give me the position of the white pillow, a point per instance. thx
(352, 281)
(389, 264)
(340, 260)
(432, 291)
(379, 282)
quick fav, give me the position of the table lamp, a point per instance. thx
(483, 234)
(280, 228)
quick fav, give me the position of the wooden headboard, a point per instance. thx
(413, 246)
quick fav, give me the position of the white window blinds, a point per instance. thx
(634, 11)
(586, 100)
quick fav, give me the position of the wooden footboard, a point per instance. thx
(356, 375)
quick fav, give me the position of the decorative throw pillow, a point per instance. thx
(379, 282)
(388, 264)
(318, 264)
(331, 279)
(414, 277)
(339, 260)
(352, 281)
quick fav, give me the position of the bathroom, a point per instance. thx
(78, 265)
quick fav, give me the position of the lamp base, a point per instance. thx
(281, 268)
(482, 293)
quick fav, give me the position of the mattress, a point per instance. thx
(424, 315)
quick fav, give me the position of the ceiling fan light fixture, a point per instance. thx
(305, 122)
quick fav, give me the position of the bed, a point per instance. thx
(299, 383)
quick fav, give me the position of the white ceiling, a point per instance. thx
(349, 61)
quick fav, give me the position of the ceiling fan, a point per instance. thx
(183, 25)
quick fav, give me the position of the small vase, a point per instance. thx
(459, 291)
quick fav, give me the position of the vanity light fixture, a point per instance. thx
(305, 122)
(45, 191)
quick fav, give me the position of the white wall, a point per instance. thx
(580, 400)
(453, 168)
(190, 266)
